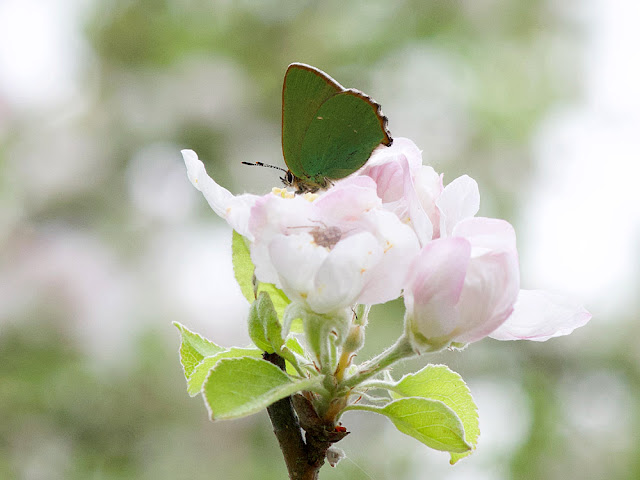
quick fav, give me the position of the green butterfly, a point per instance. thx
(328, 131)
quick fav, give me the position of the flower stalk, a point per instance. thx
(400, 350)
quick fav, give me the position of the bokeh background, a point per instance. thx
(103, 241)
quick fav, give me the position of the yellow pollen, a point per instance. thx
(282, 192)
(388, 247)
(310, 196)
(304, 295)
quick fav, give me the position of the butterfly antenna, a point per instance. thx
(260, 164)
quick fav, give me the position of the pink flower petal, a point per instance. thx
(490, 290)
(435, 284)
(487, 234)
(540, 315)
(347, 199)
(384, 168)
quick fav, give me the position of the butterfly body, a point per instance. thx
(328, 131)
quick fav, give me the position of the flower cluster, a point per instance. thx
(393, 228)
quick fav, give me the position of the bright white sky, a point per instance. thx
(582, 231)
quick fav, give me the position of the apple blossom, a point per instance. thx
(335, 251)
(391, 229)
(462, 287)
(466, 286)
(415, 192)
(406, 187)
(320, 260)
(327, 251)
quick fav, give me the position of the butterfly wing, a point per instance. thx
(348, 126)
(304, 91)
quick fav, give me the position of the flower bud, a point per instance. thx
(463, 287)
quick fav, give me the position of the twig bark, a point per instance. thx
(303, 458)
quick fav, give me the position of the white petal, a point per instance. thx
(540, 315)
(459, 200)
(417, 210)
(296, 259)
(235, 210)
(400, 246)
(340, 278)
(348, 199)
(428, 187)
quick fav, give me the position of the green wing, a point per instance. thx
(304, 91)
(346, 129)
(327, 130)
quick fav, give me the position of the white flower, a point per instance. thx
(338, 250)
(327, 251)
(359, 242)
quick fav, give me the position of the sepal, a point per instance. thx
(324, 333)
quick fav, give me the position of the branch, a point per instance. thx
(303, 460)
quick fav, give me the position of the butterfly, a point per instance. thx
(328, 131)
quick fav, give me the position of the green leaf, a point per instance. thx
(429, 421)
(437, 382)
(279, 299)
(200, 372)
(264, 328)
(294, 345)
(291, 346)
(193, 349)
(243, 266)
(243, 269)
(239, 387)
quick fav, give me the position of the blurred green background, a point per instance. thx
(103, 241)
